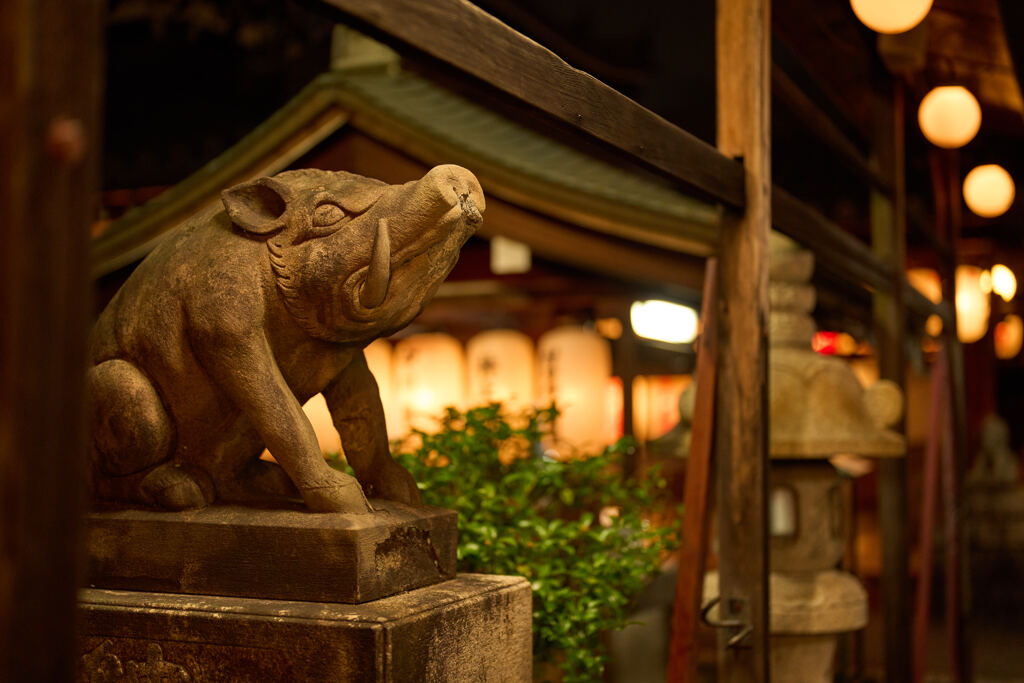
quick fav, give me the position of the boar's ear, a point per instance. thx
(257, 206)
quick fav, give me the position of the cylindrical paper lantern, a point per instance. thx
(656, 404)
(972, 305)
(429, 375)
(573, 367)
(378, 359)
(500, 369)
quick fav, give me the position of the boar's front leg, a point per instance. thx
(247, 372)
(354, 401)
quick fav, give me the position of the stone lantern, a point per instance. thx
(818, 409)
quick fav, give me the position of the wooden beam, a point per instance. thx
(834, 249)
(742, 38)
(888, 236)
(50, 86)
(461, 35)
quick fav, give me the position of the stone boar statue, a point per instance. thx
(211, 347)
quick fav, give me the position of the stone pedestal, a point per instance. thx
(472, 628)
(273, 554)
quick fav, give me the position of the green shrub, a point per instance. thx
(575, 528)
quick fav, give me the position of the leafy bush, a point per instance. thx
(575, 528)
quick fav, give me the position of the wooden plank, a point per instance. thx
(50, 86)
(269, 554)
(465, 37)
(888, 235)
(742, 37)
(682, 662)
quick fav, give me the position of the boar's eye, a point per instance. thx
(327, 214)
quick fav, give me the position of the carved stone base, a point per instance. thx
(473, 628)
(275, 554)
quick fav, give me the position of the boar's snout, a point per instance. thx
(459, 189)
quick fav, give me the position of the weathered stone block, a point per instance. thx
(273, 554)
(473, 628)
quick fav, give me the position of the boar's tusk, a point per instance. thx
(378, 275)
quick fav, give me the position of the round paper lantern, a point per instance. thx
(972, 305)
(429, 375)
(891, 16)
(1009, 335)
(1004, 282)
(989, 190)
(500, 369)
(573, 368)
(949, 116)
(378, 359)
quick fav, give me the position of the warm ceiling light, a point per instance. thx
(989, 190)
(1004, 282)
(927, 282)
(891, 16)
(663, 321)
(949, 116)
(972, 305)
(1009, 336)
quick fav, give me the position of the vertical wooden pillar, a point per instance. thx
(888, 238)
(50, 85)
(958, 595)
(743, 33)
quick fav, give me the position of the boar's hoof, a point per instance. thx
(344, 497)
(171, 487)
(394, 483)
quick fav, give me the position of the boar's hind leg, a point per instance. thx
(130, 427)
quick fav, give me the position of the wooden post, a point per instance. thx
(888, 237)
(50, 85)
(682, 659)
(743, 36)
(958, 572)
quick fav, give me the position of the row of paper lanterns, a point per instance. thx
(421, 375)
(974, 289)
(949, 115)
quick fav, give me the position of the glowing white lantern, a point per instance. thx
(1004, 282)
(1009, 335)
(500, 369)
(972, 305)
(949, 116)
(663, 321)
(989, 190)
(429, 375)
(891, 16)
(573, 368)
